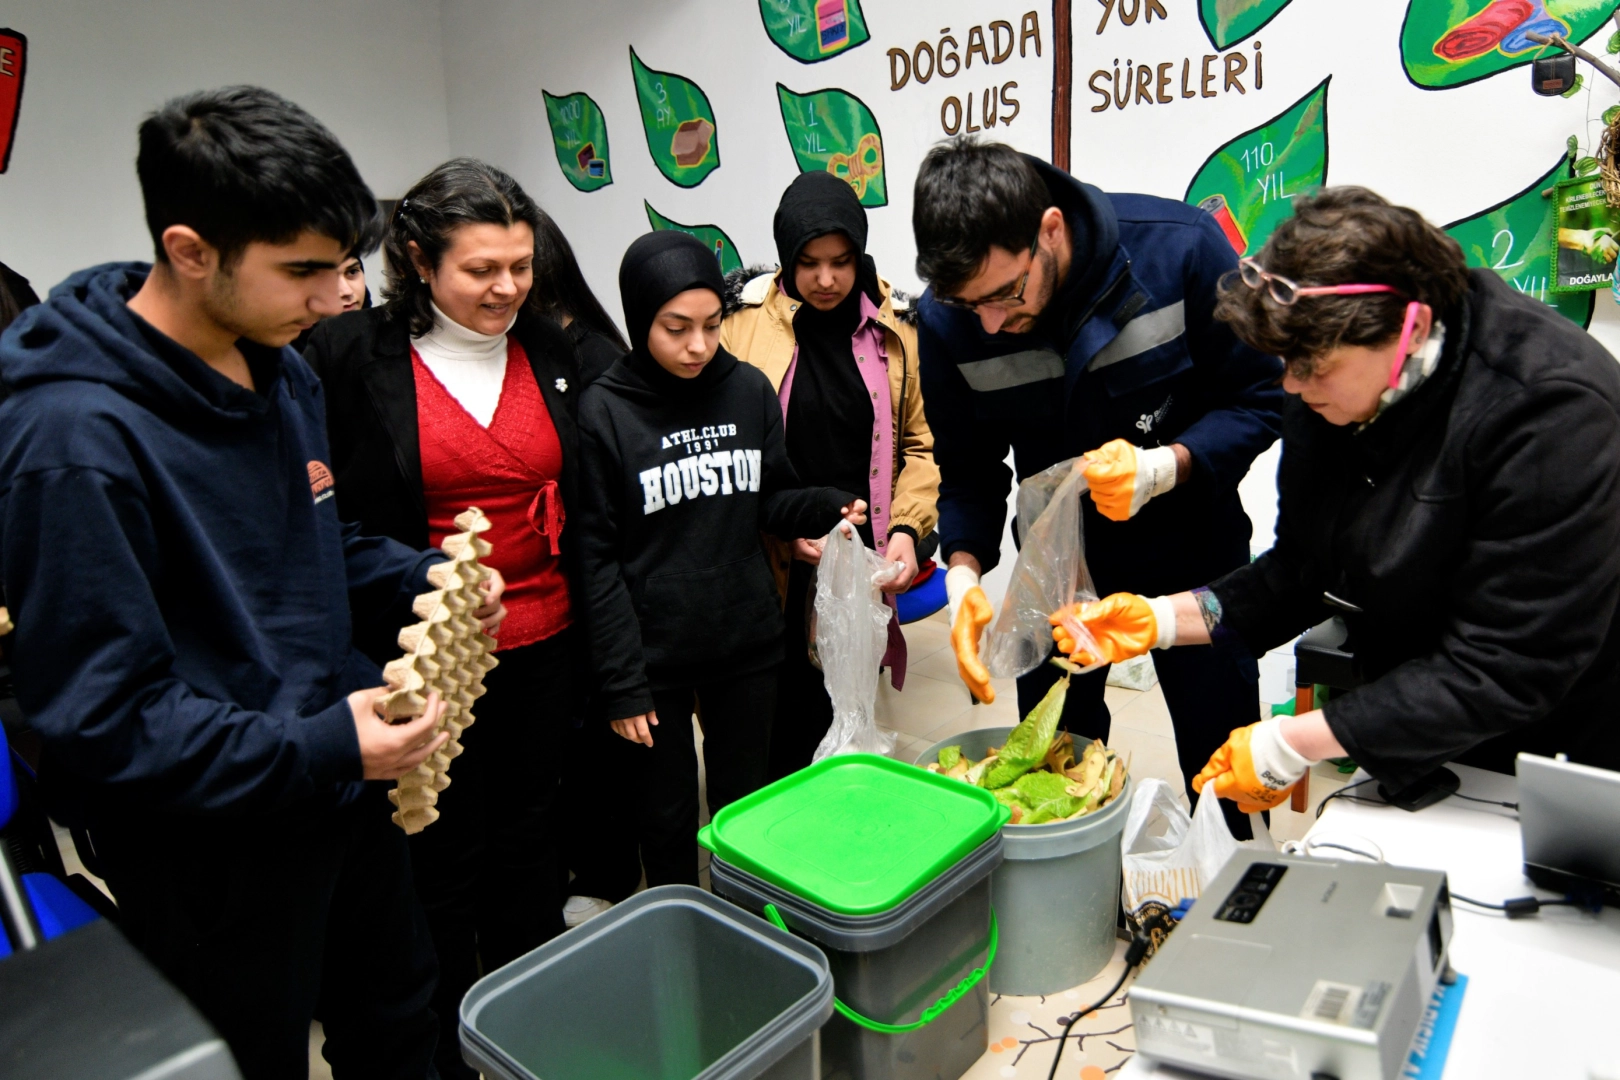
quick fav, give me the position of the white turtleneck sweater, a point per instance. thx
(472, 366)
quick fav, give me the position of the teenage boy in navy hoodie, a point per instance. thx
(682, 448)
(182, 589)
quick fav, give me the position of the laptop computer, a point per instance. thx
(1569, 816)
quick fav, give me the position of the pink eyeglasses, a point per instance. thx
(1286, 293)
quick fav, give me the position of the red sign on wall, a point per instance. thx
(13, 66)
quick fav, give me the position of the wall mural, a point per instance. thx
(814, 30)
(1248, 183)
(13, 68)
(833, 131)
(579, 134)
(679, 121)
(1515, 239)
(1228, 22)
(712, 235)
(1450, 44)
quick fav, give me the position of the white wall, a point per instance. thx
(371, 70)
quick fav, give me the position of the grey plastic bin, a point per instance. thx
(893, 965)
(672, 984)
(1057, 893)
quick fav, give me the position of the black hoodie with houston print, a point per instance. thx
(681, 477)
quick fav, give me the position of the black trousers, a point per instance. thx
(804, 712)
(1210, 691)
(487, 870)
(736, 744)
(269, 922)
(598, 834)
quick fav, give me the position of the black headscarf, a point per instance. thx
(657, 268)
(829, 424)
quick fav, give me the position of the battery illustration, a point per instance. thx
(832, 21)
(1216, 207)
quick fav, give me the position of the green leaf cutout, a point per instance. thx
(681, 132)
(814, 30)
(1447, 43)
(833, 131)
(711, 235)
(1586, 165)
(1614, 43)
(1228, 22)
(579, 134)
(1250, 183)
(1515, 239)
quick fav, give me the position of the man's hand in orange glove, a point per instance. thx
(1255, 768)
(1123, 478)
(970, 614)
(1123, 625)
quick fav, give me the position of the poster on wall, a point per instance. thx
(679, 121)
(1449, 44)
(1515, 239)
(712, 236)
(579, 135)
(13, 68)
(814, 30)
(833, 131)
(1228, 22)
(1587, 229)
(1250, 183)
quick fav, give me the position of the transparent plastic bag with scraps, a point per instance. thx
(851, 631)
(1050, 573)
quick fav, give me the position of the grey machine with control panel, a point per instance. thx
(1297, 968)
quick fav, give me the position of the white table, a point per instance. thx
(1543, 994)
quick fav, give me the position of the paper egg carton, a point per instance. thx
(447, 651)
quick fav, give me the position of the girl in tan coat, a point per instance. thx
(837, 345)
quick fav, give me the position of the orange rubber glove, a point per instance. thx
(1255, 767)
(972, 616)
(1122, 478)
(1122, 624)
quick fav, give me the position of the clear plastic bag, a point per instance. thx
(1050, 573)
(1169, 855)
(851, 632)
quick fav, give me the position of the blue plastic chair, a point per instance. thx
(922, 600)
(38, 906)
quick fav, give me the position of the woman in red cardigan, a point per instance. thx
(458, 393)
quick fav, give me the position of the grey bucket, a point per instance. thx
(1056, 894)
(672, 984)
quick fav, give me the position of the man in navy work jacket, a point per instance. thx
(1061, 320)
(182, 589)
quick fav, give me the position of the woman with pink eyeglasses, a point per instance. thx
(1449, 487)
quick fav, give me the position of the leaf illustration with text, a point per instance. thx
(1515, 239)
(579, 133)
(1250, 183)
(835, 132)
(1228, 22)
(712, 236)
(679, 121)
(814, 30)
(1449, 44)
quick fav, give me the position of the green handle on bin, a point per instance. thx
(929, 1014)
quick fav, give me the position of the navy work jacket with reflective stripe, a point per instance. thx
(1135, 354)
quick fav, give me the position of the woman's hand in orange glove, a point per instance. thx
(1122, 625)
(970, 614)
(1255, 767)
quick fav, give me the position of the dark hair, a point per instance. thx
(1345, 236)
(561, 288)
(462, 191)
(243, 165)
(971, 196)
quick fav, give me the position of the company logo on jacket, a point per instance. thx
(320, 481)
(705, 470)
(1148, 421)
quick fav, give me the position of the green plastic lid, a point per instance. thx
(856, 834)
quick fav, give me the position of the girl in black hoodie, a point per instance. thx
(682, 452)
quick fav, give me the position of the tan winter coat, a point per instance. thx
(758, 330)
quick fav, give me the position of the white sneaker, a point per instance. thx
(582, 909)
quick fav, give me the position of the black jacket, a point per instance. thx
(1476, 523)
(684, 475)
(364, 361)
(596, 351)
